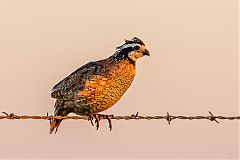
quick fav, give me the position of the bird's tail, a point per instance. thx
(54, 124)
(59, 111)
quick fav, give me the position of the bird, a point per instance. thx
(97, 85)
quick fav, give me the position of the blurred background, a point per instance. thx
(193, 68)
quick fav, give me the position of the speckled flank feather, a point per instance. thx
(96, 86)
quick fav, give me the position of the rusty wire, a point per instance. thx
(136, 116)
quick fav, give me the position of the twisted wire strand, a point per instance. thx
(167, 117)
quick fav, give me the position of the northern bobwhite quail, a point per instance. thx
(97, 86)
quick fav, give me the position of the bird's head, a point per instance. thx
(132, 50)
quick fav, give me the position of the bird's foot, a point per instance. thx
(97, 120)
(108, 117)
(99, 117)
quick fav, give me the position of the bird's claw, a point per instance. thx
(97, 120)
(108, 117)
(90, 118)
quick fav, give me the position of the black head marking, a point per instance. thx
(129, 46)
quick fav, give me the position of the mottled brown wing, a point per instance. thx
(75, 82)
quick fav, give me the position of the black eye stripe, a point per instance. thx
(129, 49)
(137, 47)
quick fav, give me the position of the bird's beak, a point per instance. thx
(146, 52)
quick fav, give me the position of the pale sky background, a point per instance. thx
(193, 68)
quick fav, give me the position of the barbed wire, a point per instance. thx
(136, 116)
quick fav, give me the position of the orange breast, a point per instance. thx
(102, 92)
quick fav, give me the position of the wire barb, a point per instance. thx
(135, 115)
(212, 117)
(168, 118)
(10, 116)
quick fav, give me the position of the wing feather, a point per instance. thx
(75, 82)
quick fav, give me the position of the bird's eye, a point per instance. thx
(136, 47)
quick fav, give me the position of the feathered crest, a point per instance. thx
(132, 41)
